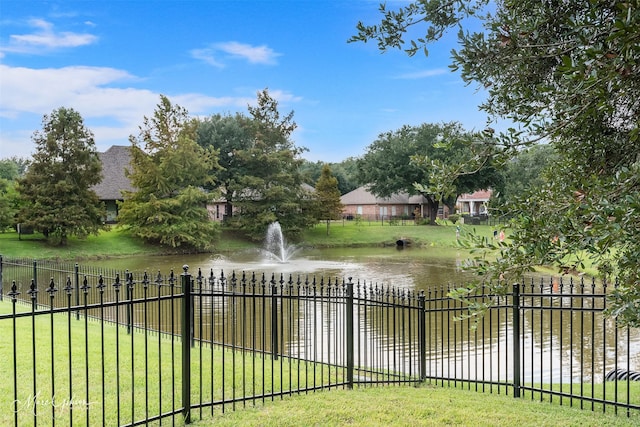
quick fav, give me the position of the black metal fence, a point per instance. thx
(91, 346)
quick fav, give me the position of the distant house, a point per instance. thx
(474, 204)
(114, 162)
(360, 202)
(218, 208)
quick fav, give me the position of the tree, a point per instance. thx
(271, 189)
(170, 170)
(8, 203)
(55, 191)
(327, 197)
(568, 73)
(403, 161)
(344, 172)
(10, 170)
(228, 135)
(525, 172)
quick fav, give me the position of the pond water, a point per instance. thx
(419, 269)
(407, 268)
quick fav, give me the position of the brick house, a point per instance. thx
(474, 204)
(360, 202)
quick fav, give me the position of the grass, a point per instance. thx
(354, 234)
(113, 243)
(147, 381)
(94, 365)
(424, 405)
(144, 381)
(117, 242)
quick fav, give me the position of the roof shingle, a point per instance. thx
(114, 162)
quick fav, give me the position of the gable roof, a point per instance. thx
(477, 196)
(114, 162)
(362, 196)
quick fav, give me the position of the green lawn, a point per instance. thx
(118, 243)
(145, 379)
(415, 406)
(139, 365)
(352, 233)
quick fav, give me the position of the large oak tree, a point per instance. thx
(413, 159)
(229, 136)
(568, 72)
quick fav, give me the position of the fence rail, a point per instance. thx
(91, 346)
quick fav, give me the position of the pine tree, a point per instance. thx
(327, 195)
(56, 190)
(170, 170)
(271, 189)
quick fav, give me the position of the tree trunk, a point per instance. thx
(433, 209)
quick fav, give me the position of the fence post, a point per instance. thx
(192, 321)
(516, 340)
(422, 338)
(1, 288)
(349, 324)
(274, 318)
(129, 306)
(185, 332)
(35, 273)
(77, 289)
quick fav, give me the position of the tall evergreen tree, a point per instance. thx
(56, 189)
(327, 197)
(170, 170)
(271, 190)
(8, 203)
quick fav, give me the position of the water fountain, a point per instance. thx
(275, 246)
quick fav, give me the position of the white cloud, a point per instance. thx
(110, 109)
(45, 38)
(252, 54)
(422, 74)
(207, 56)
(37, 90)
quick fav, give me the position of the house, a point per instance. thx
(218, 208)
(474, 204)
(114, 162)
(360, 202)
(114, 180)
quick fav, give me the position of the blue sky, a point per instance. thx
(110, 61)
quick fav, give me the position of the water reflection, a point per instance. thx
(411, 268)
(569, 341)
